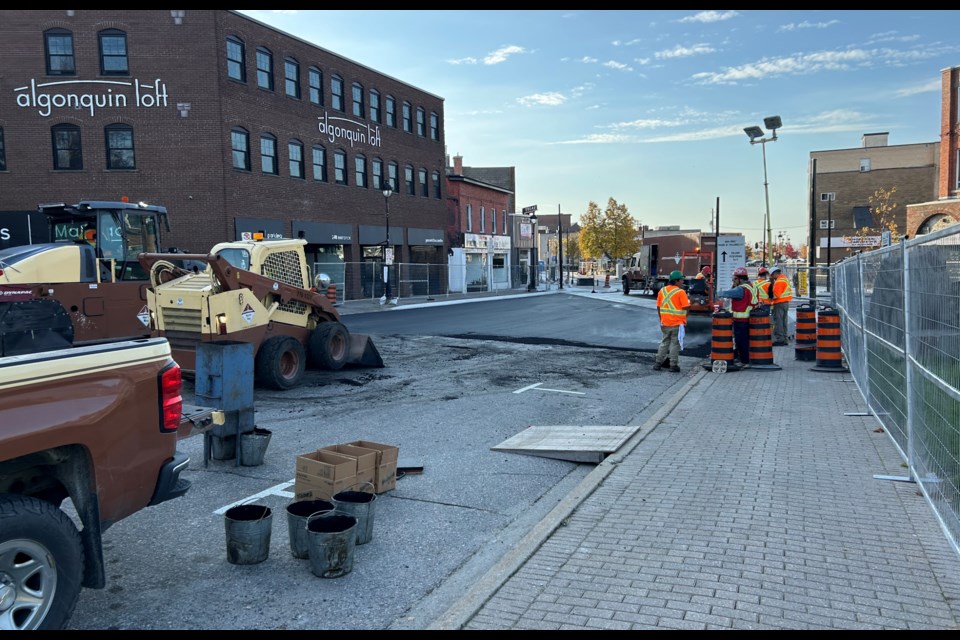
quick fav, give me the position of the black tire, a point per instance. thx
(280, 363)
(626, 286)
(40, 554)
(329, 346)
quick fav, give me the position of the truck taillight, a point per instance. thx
(171, 402)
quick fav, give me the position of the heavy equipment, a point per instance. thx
(81, 283)
(258, 291)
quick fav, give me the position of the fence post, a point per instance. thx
(908, 356)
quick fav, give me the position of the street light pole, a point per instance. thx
(756, 137)
(387, 250)
(829, 196)
(534, 267)
(560, 243)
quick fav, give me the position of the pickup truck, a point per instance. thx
(88, 436)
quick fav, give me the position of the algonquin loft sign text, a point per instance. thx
(90, 95)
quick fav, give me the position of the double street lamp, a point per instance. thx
(756, 137)
(387, 191)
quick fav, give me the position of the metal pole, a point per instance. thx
(812, 245)
(386, 250)
(560, 243)
(829, 235)
(766, 192)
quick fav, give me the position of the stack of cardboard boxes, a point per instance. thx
(361, 465)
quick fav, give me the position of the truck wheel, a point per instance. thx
(626, 286)
(41, 564)
(329, 346)
(280, 363)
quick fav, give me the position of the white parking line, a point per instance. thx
(536, 386)
(275, 490)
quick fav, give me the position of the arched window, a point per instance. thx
(295, 153)
(264, 68)
(291, 77)
(67, 150)
(268, 154)
(113, 53)
(236, 59)
(360, 172)
(359, 107)
(240, 148)
(315, 80)
(336, 93)
(319, 163)
(340, 166)
(120, 153)
(58, 50)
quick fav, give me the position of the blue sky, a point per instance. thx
(649, 107)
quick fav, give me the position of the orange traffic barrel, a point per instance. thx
(806, 342)
(761, 340)
(829, 352)
(721, 346)
(332, 293)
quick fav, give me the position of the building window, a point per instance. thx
(375, 105)
(957, 181)
(436, 184)
(408, 179)
(469, 217)
(268, 154)
(392, 175)
(113, 53)
(319, 163)
(119, 138)
(264, 69)
(483, 220)
(58, 46)
(240, 148)
(391, 112)
(315, 79)
(340, 166)
(3, 152)
(421, 122)
(359, 109)
(336, 93)
(407, 118)
(864, 165)
(377, 173)
(504, 220)
(434, 127)
(360, 171)
(493, 220)
(236, 59)
(424, 187)
(291, 74)
(295, 151)
(67, 151)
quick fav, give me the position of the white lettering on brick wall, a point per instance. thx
(79, 95)
(360, 132)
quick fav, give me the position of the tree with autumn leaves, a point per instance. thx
(882, 209)
(612, 231)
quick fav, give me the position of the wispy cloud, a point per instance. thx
(933, 86)
(710, 16)
(803, 64)
(551, 99)
(494, 57)
(891, 36)
(795, 26)
(680, 51)
(612, 64)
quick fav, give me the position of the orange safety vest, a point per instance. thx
(762, 287)
(781, 290)
(672, 302)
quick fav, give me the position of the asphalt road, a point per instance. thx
(445, 397)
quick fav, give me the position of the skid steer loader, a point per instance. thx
(256, 291)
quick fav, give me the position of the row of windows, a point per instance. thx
(61, 60)
(364, 174)
(363, 104)
(483, 219)
(68, 148)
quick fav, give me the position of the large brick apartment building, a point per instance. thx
(232, 125)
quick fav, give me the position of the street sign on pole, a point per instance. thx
(529, 210)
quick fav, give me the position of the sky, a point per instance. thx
(649, 107)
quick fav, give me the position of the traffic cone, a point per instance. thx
(606, 283)
(829, 351)
(721, 353)
(761, 341)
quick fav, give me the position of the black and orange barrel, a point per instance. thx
(332, 293)
(806, 343)
(721, 346)
(761, 340)
(829, 353)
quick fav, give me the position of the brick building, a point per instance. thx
(232, 125)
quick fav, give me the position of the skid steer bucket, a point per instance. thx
(363, 353)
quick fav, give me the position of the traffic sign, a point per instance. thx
(528, 210)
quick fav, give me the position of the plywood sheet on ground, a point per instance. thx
(575, 443)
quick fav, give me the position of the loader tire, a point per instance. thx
(329, 346)
(280, 363)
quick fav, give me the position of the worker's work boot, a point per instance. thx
(657, 366)
(675, 369)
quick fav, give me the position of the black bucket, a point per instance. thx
(358, 504)
(248, 528)
(332, 540)
(297, 515)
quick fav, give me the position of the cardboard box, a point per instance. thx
(366, 464)
(385, 477)
(308, 487)
(326, 464)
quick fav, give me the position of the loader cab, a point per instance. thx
(117, 231)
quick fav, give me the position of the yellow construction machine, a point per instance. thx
(256, 291)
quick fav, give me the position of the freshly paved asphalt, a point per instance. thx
(753, 499)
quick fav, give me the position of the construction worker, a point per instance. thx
(705, 272)
(781, 293)
(672, 305)
(743, 298)
(762, 287)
